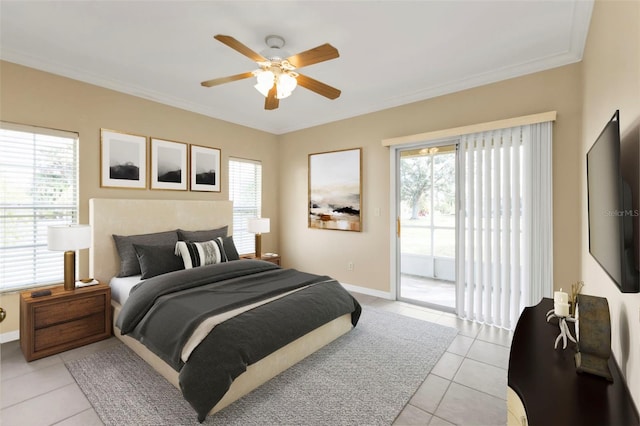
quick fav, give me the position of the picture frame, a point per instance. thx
(123, 160)
(335, 190)
(205, 168)
(169, 165)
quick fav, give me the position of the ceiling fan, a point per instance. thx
(276, 77)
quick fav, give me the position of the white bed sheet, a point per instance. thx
(120, 287)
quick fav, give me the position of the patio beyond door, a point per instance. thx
(427, 226)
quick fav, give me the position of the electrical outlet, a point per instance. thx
(349, 266)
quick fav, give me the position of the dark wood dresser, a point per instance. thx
(64, 319)
(545, 382)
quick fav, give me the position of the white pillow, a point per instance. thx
(198, 254)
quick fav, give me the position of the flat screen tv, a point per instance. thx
(610, 210)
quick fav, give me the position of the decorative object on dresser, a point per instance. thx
(335, 190)
(69, 238)
(593, 329)
(123, 160)
(544, 389)
(63, 320)
(259, 226)
(561, 312)
(576, 288)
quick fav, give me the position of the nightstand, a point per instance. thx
(274, 258)
(64, 319)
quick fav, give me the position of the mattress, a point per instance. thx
(121, 287)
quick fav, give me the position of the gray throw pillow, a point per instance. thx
(230, 248)
(157, 260)
(129, 264)
(204, 235)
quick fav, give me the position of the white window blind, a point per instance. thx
(245, 190)
(505, 246)
(38, 188)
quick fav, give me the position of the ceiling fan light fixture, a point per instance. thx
(276, 77)
(265, 81)
(286, 84)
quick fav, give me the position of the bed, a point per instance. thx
(296, 295)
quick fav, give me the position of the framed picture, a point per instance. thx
(123, 160)
(168, 165)
(335, 190)
(205, 169)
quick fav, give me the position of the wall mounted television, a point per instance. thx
(610, 210)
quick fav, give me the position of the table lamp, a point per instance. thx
(69, 238)
(258, 226)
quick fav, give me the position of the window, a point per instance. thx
(38, 188)
(245, 190)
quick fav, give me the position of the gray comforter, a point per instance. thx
(162, 313)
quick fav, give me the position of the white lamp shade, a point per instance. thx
(68, 237)
(286, 84)
(265, 81)
(258, 225)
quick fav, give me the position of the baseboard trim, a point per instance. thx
(368, 291)
(9, 336)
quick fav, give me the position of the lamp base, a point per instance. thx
(69, 270)
(258, 246)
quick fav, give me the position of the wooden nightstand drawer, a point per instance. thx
(66, 332)
(55, 313)
(63, 320)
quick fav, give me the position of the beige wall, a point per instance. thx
(37, 98)
(328, 252)
(611, 80)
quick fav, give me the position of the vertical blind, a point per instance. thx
(38, 188)
(505, 247)
(245, 190)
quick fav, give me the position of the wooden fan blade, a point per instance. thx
(239, 47)
(318, 87)
(271, 102)
(229, 79)
(313, 56)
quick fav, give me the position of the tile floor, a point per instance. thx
(466, 387)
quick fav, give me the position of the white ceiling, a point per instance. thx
(391, 52)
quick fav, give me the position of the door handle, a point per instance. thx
(398, 226)
(3, 314)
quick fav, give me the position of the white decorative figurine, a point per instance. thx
(561, 311)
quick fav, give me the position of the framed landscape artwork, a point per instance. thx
(123, 160)
(205, 169)
(168, 165)
(335, 190)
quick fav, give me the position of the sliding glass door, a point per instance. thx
(426, 208)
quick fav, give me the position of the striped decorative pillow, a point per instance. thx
(200, 254)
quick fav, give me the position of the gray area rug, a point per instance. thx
(363, 378)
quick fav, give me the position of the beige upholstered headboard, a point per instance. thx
(131, 217)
